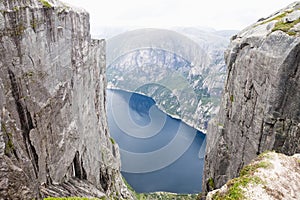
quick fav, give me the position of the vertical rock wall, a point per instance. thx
(54, 138)
(261, 103)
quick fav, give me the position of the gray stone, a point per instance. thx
(54, 134)
(260, 109)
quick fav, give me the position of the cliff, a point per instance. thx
(270, 176)
(54, 139)
(260, 108)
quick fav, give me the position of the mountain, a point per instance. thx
(54, 138)
(184, 79)
(260, 107)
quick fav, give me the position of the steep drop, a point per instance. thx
(54, 139)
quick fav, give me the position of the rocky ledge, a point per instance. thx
(54, 139)
(270, 176)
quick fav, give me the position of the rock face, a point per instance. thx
(260, 108)
(54, 139)
(270, 176)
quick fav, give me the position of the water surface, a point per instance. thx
(158, 152)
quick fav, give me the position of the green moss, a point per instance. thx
(29, 74)
(265, 154)
(291, 33)
(46, 3)
(9, 146)
(286, 26)
(278, 17)
(34, 23)
(211, 183)
(112, 140)
(16, 9)
(231, 98)
(250, 169)
(19, 30)
(3, 127)
(220, 125)
(235, 191)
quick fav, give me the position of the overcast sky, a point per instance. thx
(219, 14)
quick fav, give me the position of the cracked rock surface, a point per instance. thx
(54, 138)
(260, 109)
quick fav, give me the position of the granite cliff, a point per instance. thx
(54, 139)
(260, 109)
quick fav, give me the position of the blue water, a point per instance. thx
(158, 152)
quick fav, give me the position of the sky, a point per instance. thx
(218, 14)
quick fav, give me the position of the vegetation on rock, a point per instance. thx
(72, 198)
(46, 3)
(235, 186)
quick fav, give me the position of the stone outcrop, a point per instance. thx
(260, 109)
(54, 139)
(270, 176)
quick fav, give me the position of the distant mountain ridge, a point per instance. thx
(184, 78)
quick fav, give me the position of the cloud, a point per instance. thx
(230, 14)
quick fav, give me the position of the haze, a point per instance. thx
(230, 14)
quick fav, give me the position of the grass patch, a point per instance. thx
(250, 169)
(72, 198)
(46, 3)
(160, 195)
(278, 17)
(235, 191)
(285, 26)
(265, 154)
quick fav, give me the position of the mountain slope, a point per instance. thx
(184, 79)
